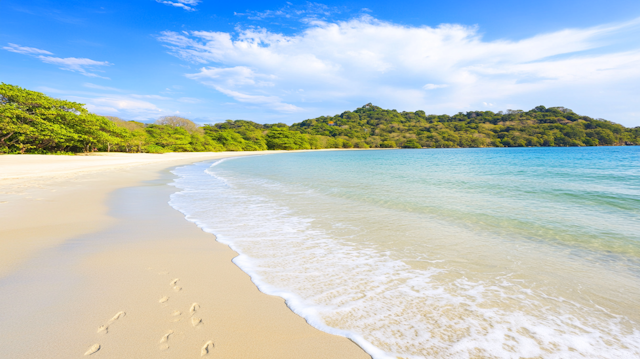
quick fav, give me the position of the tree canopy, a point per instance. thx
(31, 122)
(178, 122)
(541, 126)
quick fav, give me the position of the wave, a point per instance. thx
(345, 285)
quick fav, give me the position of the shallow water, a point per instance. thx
(457, 253)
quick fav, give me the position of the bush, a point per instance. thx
(411, 143)
(280, 138)
(156, 149)
(388, 144)
(334, 143)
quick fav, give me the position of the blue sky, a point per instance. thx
(273, 61)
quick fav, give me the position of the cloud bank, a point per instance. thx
(446, 68)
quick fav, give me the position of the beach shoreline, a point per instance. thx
(95, 259)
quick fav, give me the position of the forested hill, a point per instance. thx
(31, 122)
(541, 126)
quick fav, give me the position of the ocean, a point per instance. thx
(439, 253)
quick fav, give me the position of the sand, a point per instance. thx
(95, 263)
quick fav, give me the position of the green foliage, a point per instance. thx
(555, 126)
(177, 121)
(411, 143)
(31, 122)
(175, 139)
(155, 149)
(281, 138)
(231, 141)
(238, 135)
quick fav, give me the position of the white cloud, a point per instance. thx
(126, 106)
(124, 103)
(232, 77)
(434, 86)
(340, 65)
(153, 97)
(189, 100)
(272, 102)
(26, 50)
(99, 87)
(79, 65)
(188, 5)
(229, 80)
(305, 12)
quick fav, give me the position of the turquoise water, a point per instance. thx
(452, 253)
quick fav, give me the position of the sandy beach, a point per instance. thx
(94, 262)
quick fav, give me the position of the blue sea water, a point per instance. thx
(447, 253)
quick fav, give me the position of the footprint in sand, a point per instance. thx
(174, 284)
(105, 328)
(176, 313)
(165, 338)
(194, 308)
(163, 299)
(196, 321)
(117, 316)
(164, 345)
(207, 348)
(94, 348)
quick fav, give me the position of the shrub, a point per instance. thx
(388, 144)
(411, 143)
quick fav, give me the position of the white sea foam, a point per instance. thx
(344, 285)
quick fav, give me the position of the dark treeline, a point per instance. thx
(31, 122)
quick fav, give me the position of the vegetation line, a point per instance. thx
(31, 122)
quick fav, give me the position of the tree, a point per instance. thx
(31, 122)
(170, 138)
(280, 138)
(177, 122)
(230, 140)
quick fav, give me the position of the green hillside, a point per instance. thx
(31, 122)
(555, 126)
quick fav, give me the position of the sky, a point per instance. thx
(280, 61)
